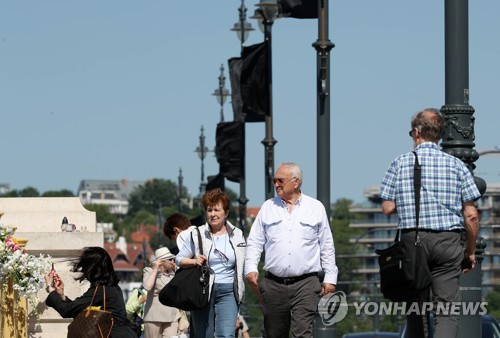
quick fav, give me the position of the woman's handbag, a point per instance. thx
(92, 322)
(404, 271)
(188, 290)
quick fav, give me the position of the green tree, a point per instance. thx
(58, 193)
(151, 196)
(103, 215)
(131, 222)
(26, 192)
(345, 251)
(493, 299)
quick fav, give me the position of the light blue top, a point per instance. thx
(221, 248)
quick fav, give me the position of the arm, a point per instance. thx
(388, 207)
(255, 244)
(68, 308)
(327, 254)
(149, 276)
(186, 258)
(471, 220)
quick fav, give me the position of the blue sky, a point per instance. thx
(119, 89)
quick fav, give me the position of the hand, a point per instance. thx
(327, 288)
(200, 260)
(59, 285)
(253, 279)
(468, 263)
(169, 265)
(49, 278)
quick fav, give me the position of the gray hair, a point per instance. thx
(295, 170)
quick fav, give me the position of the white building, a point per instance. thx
(112, 193)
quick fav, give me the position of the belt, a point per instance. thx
(458, 231)
(288, 280)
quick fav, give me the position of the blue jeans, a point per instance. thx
(220, 315)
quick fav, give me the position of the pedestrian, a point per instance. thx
(95, 266)
(448, 217)
(159, 320)
(177, 228)
(224, 252)
(293, 230)
(135, 309)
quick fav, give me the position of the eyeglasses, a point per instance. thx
(221, 255)
(411, 132)
(282, 181)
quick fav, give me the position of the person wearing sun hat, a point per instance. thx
(159, 320)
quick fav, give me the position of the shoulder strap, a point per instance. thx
(200, 244)
(104, 296)
(417, 184)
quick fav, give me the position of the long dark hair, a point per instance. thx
(96, 266)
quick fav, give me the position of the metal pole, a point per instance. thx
(180, 178)
(269, 141)
(458, 136)
(323, 46)
(242, 201)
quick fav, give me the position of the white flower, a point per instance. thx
(26, 271)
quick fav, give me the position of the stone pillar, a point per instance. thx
(39, 221)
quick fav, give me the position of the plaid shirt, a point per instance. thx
(446, 185)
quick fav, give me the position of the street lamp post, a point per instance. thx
(269, 12)
(323, 47)
(242, 27)
(180, 179)
(221, 93)
(458, 136)
(202, 151)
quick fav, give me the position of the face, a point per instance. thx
(284, 182)
(216, 216)
(166, 264)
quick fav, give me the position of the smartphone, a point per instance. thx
(53, 280)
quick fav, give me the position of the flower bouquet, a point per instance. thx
(24, 270)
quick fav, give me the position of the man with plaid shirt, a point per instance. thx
(447, 210)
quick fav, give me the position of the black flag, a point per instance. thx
(299, 9)
(249, 85)
(236, 99)
(230, 149)
(215, 181)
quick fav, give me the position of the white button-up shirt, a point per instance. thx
(295, 243)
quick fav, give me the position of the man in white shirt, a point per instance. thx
(294, 231)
